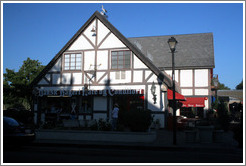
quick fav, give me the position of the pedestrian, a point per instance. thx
(114, 115)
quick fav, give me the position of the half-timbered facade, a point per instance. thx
(194, 63)
(99, 67)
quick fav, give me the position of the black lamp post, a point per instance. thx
(172, 42)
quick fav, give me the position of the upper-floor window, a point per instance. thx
(120, 59)
(72, 62)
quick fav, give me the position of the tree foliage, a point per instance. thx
(16, 89)
(240, 85)
(222, 87)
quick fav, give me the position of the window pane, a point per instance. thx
(114, 53)
(123, 75)
(72, 59)
(72, 55)
(78, 55)
(120, 53)
(78, 65)
(117, 75)
(114, 57)
(72, 65)
(127, 65)
(66, 64)
(114, 65)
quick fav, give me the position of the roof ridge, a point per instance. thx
(171, 35)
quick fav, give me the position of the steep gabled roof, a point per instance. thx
(193, 50)
(162, 76)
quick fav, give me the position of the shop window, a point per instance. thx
(120, 59)
(72, 62)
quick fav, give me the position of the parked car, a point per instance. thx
(16, 133)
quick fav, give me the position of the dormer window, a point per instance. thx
(120, 59)
(72, 62)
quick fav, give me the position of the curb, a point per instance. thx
(110, 145)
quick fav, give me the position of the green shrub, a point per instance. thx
(223, 116)
(94, 126)
(104, 125)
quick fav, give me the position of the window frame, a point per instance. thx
(75, 61)
(117, 66)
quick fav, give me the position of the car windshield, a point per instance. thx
(10, 121)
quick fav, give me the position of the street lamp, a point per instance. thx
(153, 90)
(172, 42)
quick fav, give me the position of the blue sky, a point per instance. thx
(40, 30)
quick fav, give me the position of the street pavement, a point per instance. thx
(164, 140)
(161, 150)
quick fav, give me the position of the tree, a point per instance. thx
(240, 85)
(16, 89)
(222, 87)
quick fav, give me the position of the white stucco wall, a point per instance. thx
(137, 76)
(186, 78)
(169, 72)
(112, 42)
(201, 92)
(138, 64)
(80, 44)
(77, 78)
(159, 106)
(89, 60)
(43, 82)
(152, 78)
(89, 34)
(147, 73)
(102, 60)
(47, 76)
(102, 31)
(201, 78)
(187, 92)
(66, 78)
(56, 79)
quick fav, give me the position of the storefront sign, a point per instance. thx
(104, 92)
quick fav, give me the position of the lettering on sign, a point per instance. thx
(104, 92)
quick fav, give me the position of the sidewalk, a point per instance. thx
(163, 141)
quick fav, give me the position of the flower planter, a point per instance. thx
(218, 135)
(205, 134)
(190, 135)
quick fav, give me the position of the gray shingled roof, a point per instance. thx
(193, 50)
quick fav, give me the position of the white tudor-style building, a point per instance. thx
(99, 67)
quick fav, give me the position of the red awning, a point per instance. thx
(194, 102)
(178, 96)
